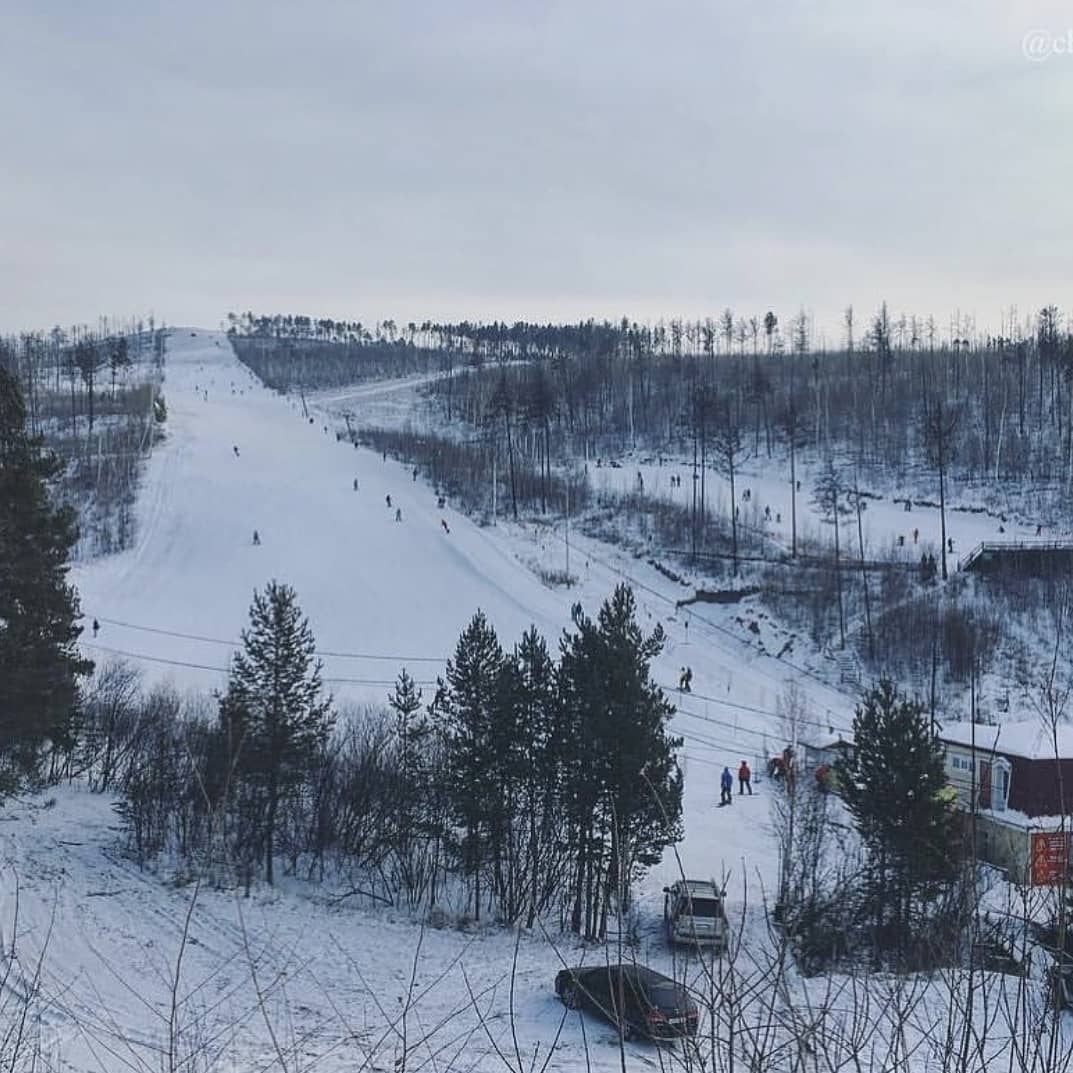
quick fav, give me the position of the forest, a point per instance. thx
(516, 417)
(94, 395)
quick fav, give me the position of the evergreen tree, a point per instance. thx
(415, 817)
(466, 706)
(623, 786)
(275, 717)
(540, 754)
(894, 787)
(39, 663)
(411, 728)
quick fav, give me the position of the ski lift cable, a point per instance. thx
(237, 644)
(224, 670)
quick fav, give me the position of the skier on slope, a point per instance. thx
(726, 787)
(387, 499)
(446, 527)
(256, 537)
(745, 779)
(398, 514)
(96, 628)
(355, 484)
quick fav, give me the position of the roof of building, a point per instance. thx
(1030, 739)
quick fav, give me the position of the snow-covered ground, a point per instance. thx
(380, 594)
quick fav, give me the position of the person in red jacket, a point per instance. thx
(744, 779)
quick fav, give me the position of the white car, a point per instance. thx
(693, 913)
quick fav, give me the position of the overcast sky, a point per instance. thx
(498, 158)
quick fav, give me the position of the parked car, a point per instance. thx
(642, 1003)
(693, 913)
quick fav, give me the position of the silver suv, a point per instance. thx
(693, 913)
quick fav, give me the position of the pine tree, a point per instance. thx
(894, 787)
(39, 663)
(540, 752)
(416, 823)
(623, 786)
(466, 707)
(274, 715)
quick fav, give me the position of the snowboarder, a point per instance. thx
(398, 514)
(446, 527)
(256, 537)
(96, 628)
(726, 786)
(388, 501)
(745, 779)
(235, 449)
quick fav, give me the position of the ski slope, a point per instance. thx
(380, 595)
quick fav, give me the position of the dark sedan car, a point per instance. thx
(637, 1000)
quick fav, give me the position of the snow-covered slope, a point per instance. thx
(380, 594)
(333, 979)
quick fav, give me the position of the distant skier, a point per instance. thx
(1039, 530)
(415, 473)
(685, 680)
(446, 527)
(950, 545)
(256, 537)
(726, 787)
(235, 449)
(398, 514)
(916, 533)
(388, 501)
(745, 779)
(96, 628)
(355, 484)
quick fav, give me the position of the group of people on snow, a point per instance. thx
(726, 784)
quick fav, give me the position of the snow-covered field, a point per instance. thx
(380, 594)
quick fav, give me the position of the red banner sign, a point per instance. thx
(1050, 857)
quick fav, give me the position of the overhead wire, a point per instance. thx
(224, 670)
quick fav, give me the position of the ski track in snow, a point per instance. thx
(368, 585)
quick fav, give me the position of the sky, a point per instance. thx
(544, 160)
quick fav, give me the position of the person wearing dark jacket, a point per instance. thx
(726, 786)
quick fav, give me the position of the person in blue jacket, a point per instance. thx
(726, 783)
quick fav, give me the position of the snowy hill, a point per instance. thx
(298, 977)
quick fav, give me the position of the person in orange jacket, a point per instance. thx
(744, 779)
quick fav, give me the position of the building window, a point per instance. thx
(1000, 785)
